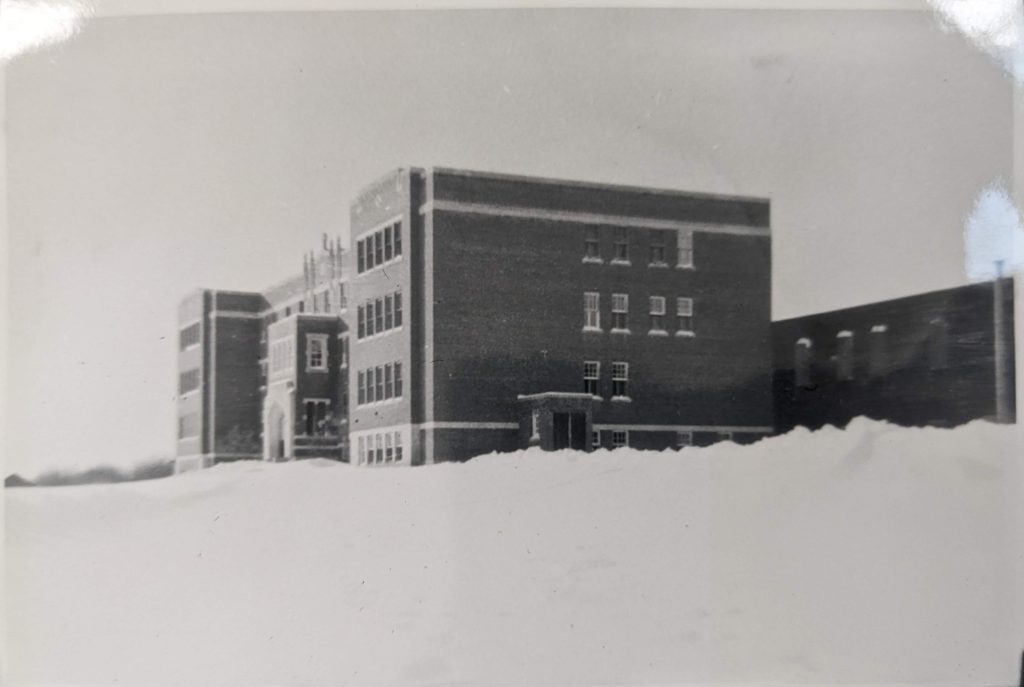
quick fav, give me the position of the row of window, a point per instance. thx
(620, 314)
(188, 381)
(620, 438)
(320, 302)
(379, 248)
(188, 426)
(878, 352)
(380, 383)
(282, 355)
(384, 447)
(188, 337)
(592, 379)
(658, 241)
(380, 315)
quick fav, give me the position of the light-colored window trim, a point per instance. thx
(684, 242)
(311, 339)
(625, 438)
(596, 311)
(684, 444)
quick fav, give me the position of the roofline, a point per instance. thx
(593, 184)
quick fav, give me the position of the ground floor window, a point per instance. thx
(595, 439)
(620, 438)
(684, 439)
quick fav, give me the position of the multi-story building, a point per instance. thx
(489, 312)
(940, 358)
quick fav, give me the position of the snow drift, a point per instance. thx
(876, 554)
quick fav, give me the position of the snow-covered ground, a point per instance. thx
(874, 555)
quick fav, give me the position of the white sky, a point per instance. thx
(151, 155)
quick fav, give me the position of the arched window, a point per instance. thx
(802, 362)
(844, 355)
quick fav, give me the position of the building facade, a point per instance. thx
(941, 359)
(486, 312)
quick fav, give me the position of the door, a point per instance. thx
(578, 431)
(560, 431)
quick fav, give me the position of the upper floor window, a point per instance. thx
(657, 313)
(938, 344)
(591, 245)
(360, 256)
(620, 312)
(658, 242)
(620, 380)
(189, 336)
(879, 361)
(684, 250)
(844, 355)
(591, 377)
(316, 351)
(621, 246)
(389, 247)
(802, 362)
(342, 351)
(282, 355)
(591, 310)
(188, 426)
(684, 317)
(379, 248)
(188, 381)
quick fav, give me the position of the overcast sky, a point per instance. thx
(149, 156)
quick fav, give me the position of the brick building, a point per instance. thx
(489, 312)
(941, 358)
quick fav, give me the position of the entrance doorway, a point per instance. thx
(569, 430)
(275, 428)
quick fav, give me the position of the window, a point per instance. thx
(620, 438)
(379, 376)
(591, 311)
(620, 380)
(879, 353)
(188, 337)
(316, 418)
(621, 245)
(657, 247)
(327, 301)
(389, 382)
(302, 306)
(684, 317)
(361, 256)
(398, 309)
(343, 351)
(684, 251)
(591, 245)
(377, 440)
(620, 312)
(389, 448)
(362, 450)
(389, 312)
(378, 248)
(684, 439)
(371, 387)
(369, 318)
(188, 381)
(657, 313)
(288, 311)
(370, 244)
(398, 380)
(844, 356)
(361, 394)
(388, 254)
(802, 363)
(591, 377)
(282, 355)
(378, 315)
(398, 447)
(316, 351)
(938, 344)
(595, 439)
(725, 436)
(398, 239)
(188, 426)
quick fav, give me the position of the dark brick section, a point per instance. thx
(936, 365)
(503, 190)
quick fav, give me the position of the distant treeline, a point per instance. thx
(103, 474)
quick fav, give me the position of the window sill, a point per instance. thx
(379, 335)
(622, 399)
(595, 261)
(317, 369)
(685, 267)
(621, 331)
(385, 402)
(624, 263)
(592, 330)
(686, 334)
(379, 265)
(596, 397)
(657, 332)
(657, 264)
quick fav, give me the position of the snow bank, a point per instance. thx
(871, 555)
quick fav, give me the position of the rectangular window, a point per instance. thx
(802, 362)
(595, 439)
(620, 311)
(389, 388)
(189, 336)
(684, 316)
(684, 256)
(657, 313)
(620, 438)
(389, 312)
(725, 436)
(343, 351)
(188, 381)
(591, 245)
(684, 439)
(369, 318)
(591, 311)
(188, 426)
(371, 386)
(302, 306)
(362, 450)
(658, 246)
(398, 380)
(620, 380)
(327, 301)
(398, 447)
(398, 239)
(879, 362)
(361, 394)
(380, 383)
(591, 377)
(361, 256)
(398, 308)
(378, 248)
(389, 449)
(380, 448)
(844, 356)
(621, 246)
(316, 351)
(387, 244)
(378, 316)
